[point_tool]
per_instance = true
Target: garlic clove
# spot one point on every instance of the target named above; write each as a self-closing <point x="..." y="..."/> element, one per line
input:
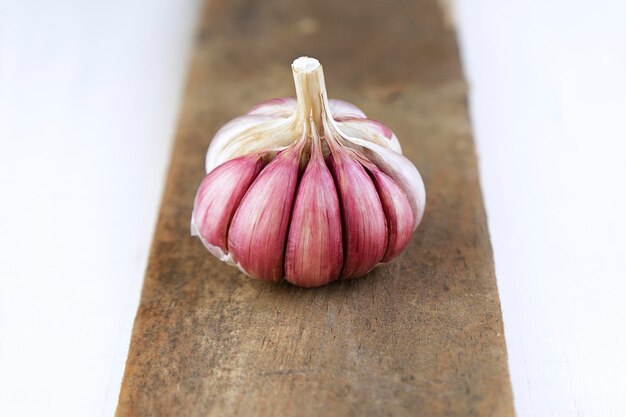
<point x="314" y="254"/>
<point x="399" y="168"/>
<point x="365" y="229"/>
<point x="258" y="231"/>
<point x="217" y="199"/>
<point x="404" y="173"/>
<point x="398" y="213"/>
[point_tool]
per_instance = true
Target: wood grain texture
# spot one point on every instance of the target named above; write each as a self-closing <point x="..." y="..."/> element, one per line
<point x="421" y="336"/>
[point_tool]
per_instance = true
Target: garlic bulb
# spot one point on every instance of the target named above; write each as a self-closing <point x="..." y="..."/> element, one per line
<point x="307" y="189"/>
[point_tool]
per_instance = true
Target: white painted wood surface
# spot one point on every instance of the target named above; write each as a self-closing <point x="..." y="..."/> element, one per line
<point x="88" y="100"/>
<point x="89" y="93"/>
<point x="548" y="103"/>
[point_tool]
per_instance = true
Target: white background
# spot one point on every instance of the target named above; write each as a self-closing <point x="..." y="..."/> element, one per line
<point x="89" y="94"/>
<point x="548" y="103"/>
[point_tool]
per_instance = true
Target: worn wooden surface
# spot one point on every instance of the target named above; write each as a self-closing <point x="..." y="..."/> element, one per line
<point x="421" y="336"/>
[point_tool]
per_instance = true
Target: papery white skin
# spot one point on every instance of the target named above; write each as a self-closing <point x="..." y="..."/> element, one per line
<point x="278" y="116"/>
<point x="370" y="129"/>
<point x="243" y="134"/>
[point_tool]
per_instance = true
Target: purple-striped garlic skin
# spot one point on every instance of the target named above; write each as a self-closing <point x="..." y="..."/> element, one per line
<point x="258" y="231"/>
<point x="308" y="190"/>
<point x="314" y="253"/>
<point x="398" y="213"/>
<point x="217" y="199"/>
<point x="364" y="223"/>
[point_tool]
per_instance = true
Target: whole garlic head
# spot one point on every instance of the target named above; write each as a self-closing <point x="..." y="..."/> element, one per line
<point x="307" y="189"/>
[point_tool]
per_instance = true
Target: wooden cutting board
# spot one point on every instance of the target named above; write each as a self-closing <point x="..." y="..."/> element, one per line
<point x="421" y="336"/>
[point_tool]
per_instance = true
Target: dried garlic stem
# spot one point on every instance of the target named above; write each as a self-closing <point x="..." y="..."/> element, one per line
<point x="311" y="95"/>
